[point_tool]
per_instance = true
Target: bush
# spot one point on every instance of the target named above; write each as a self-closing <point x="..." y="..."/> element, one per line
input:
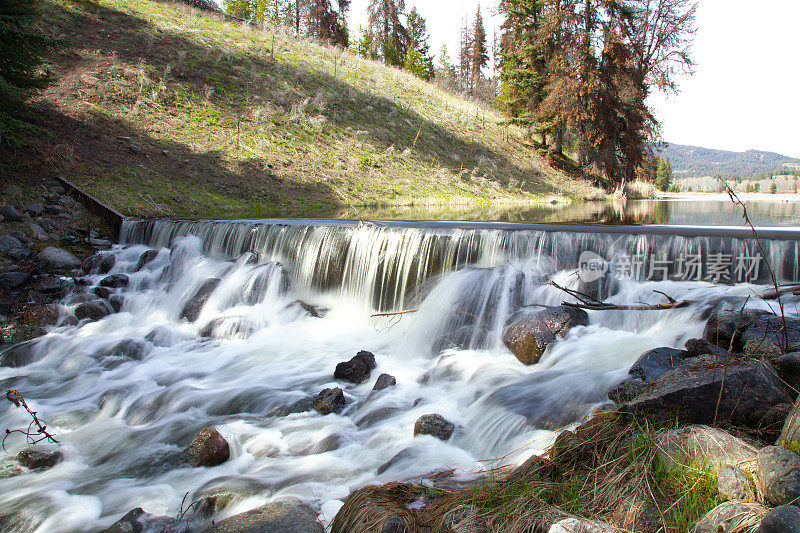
<point x="22" y="51"/>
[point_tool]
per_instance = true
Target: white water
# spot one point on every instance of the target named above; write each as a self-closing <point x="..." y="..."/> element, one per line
<point x="122" y="421"/>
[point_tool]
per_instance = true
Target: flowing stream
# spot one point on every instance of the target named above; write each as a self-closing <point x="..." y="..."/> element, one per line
<point x="124" y="420"/>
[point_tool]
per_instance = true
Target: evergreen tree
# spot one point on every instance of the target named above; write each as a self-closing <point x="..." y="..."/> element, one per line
<point x="361" y="46"/>
<point x="416" y="25"/>
<point x="22" y="52"/>
<point x="773" y="189"/>
<point x="465" y="58"/>
<point x="663" y="174"/>
<point x="388" y="36"/>
<point x="479" y="55"/>
<point x="327" y="23"/>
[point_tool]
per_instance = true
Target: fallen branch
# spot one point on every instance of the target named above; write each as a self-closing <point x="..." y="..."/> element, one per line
<point x="396" y="313"/>
<point x="590" y="303"/>
<point x="773" y="294"/>
<point x="32" y="435"/>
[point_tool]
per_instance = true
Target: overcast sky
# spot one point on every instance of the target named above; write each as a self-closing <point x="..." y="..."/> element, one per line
<point x="746" y="89"/>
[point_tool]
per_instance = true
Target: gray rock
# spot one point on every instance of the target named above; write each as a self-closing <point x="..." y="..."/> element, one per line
<point x="384" y="381"/>
<point x="115" y="281"/>
<point x="34" y="210"/>
<point x="58" y="259"/>
<point x="703" y="445"/>
<point x="657" y="362"/>
<point x="13" y="280"/>
<point x="191" y="311"/>
<point x="435" y="425"/>
<point x="691" y="392"/>
<point x="9" y="244"/>
<point x="580" y="525"/>
<point x="357" y="369"/>
<point x="766" y="336"/>
<point x="145" y="259"/>
<point x="99" y="263"/>
<point x="529" y="336"/>
<point x="791" y="428"/>
<point x="131" y="349"/>
<point x="39" y="459"/>
<point x="329" y="401"/>
<point x="94" y="310"/>
<point x="54" y="209"/>
<point x="727" y="322"/>
<point x="779" y="475"/>
<point x="10" y="214"/>
<point x="376" y="416"/>
<point x="732" y="484"/>
<point x="627" y="390"/>
<point x="138" y="521"/>
<point x="12" y="190"/>
<point x="730" y="517"/>
<point x="208" y="448"/>
<point x="278" y="517"/>
<point x="19" y="355"/>
<point x="464" y="519"/>
<point x="788" y="367"/>
<point x="781" y="519"/>
<point x="116" y="301"/>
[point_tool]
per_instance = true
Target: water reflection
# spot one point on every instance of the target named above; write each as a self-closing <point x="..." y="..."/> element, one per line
<point x="718" y="211"/>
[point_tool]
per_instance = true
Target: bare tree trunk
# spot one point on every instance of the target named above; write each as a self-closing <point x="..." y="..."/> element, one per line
<point x="559" y="139"/>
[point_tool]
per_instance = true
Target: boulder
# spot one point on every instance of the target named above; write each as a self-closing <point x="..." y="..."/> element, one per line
<point x="697" y="347"/>
<point x="703" y="445"/>
<point x="21" y="354"/>
<point x="191" y="311"/>
<point x="10" y="214"/>
<point x="94" y="310"/>
<point x="39" y="459"/>
<point x="779" y="475"/>
<point x="278" y="517"/>
<point x="765" y="337"/>
<point x="529" y="336"/>
<point x="58" y="259"/>
<point x="691" y="392"/>
<point x="138" y="521"/>
<point x="54" y="285"/>
<point x="9" y="244"/>
<point x="580" y="525"/>
<point x="146" y="258"/>
<point x="751" y="331"/>
<point x="115" y="281"/>
<point x="627" y="390"/>
<point x="13" y="280"/>
<point x="733" y="484"/>
<point x="656" y="362"/>
<point x="208" y="448"/>
<point x="34" y="210"/>
<point x="730" y="517"/>
<point x="435" y="425"/>
<point x="99" y="263"/>
<point x="781" y="519"/>
<point x="357" y="369"/>
<point x="102" y="292"/>
<point x="790" y="435"/>
<point x="788" y="367"/>
<point x="384" y="381"/>
<point x="329" y="401"/>
<point x="116" y="301"/>
<point x="727" y="322"/>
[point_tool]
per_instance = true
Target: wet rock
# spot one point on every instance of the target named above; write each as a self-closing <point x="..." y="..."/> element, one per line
<point x="329" y="443"/>
<point x="102" y="292"/>
<point x="779" y="475"/>
<point x="703" y="445"/>
<point x="691" y="391"/>
<point x="116" y="301"/>
<point x="580" y="525"/>
<point x="732" y="484"/>
<point x="730" y="517"/>
<point x="376" y="416"/>
<point x="357" y="369"/>
<point x="307" y="309"/>
<point x="54" y="285"/>
<point x="657" y="362"/>
<point x="34" y="210"/>
<point x="781" y="519"/>
<point x="765" y="337"/>
<point x="329" y="401"/>
<point x="39" y="459"/>
<point x="208" y="448"/>
<point x="400" y="456"/>
<point x="727" y="322"/>
<point x="191" y="311"/>
<point x="58" y="259"/>
<point x="41" y="315"/>
<point x="300" y="406"/>
<point x="228" y="328"/>
<point x="115" y="281"/>
<point x="435" y="425"/>
<point x="528" y="337"/>
<point x="131" y="349"/>
<point x="138" y="521"/>
<point x="384" y="381"/>
<point x="19" y="355"/>
<point x="94" y="310"/>
<point x="10" y="214"/>
<point x="99" y="263"/>
<point x="278" y="517"/>
<point x="13" y="280"/>
<point x="146" y="258"/>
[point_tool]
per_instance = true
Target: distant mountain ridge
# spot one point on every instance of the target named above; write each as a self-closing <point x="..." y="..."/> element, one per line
<point x="694" y="161"/>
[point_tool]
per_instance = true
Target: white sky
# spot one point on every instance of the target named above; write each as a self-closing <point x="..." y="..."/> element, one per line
<point x="746" y="89"/>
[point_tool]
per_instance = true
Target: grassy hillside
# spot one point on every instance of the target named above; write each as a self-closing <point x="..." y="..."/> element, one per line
<point x="694" y="161"/>
<point x="162" y="109"/>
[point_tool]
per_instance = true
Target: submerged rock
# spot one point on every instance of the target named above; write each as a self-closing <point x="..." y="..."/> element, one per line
<point x="99" y="263"/>
<point x="279" y="517"/>
<point x="145" y="259"/>
<point x="115" y="281"/>
<point x="528" y="337"/>
<point x="357" y="369"/>
<point x="779" y="475"/>
<point x="138" y="521"/>
<point x="191" y="311"/>
<point x="435" y="425"/>
<point x="208" y="448"/>
<point x="329" y="401"/>
<point x="37" y="459"/>
<point x="21" y="354"/>
<point x="307" y="309"/>
<point x="384" y="381"/>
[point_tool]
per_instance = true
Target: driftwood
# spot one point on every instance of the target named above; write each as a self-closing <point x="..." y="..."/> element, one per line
<point x="32" y="435"/>
<point x="593" y="304"/>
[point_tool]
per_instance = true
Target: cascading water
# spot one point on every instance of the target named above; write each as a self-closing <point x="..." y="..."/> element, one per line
<point x="126" y="394"/>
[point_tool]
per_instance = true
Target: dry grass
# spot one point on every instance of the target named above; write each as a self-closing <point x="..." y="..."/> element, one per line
<point x="210" y="118"/>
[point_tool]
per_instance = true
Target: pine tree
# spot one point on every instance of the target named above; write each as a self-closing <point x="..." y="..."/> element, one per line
<point x="23" y="49"/>
<point x="326" y="23"/>
<point x="416" y="26"/>
<point x="388" y="36"/>
<point x="663" y="174"/>
<point x="479" y="55"/>
<point x="465" y="58"/>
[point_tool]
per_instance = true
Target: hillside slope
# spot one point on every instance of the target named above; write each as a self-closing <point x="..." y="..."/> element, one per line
<point x="162" y="109"/>
<point x="693" y="161"/>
